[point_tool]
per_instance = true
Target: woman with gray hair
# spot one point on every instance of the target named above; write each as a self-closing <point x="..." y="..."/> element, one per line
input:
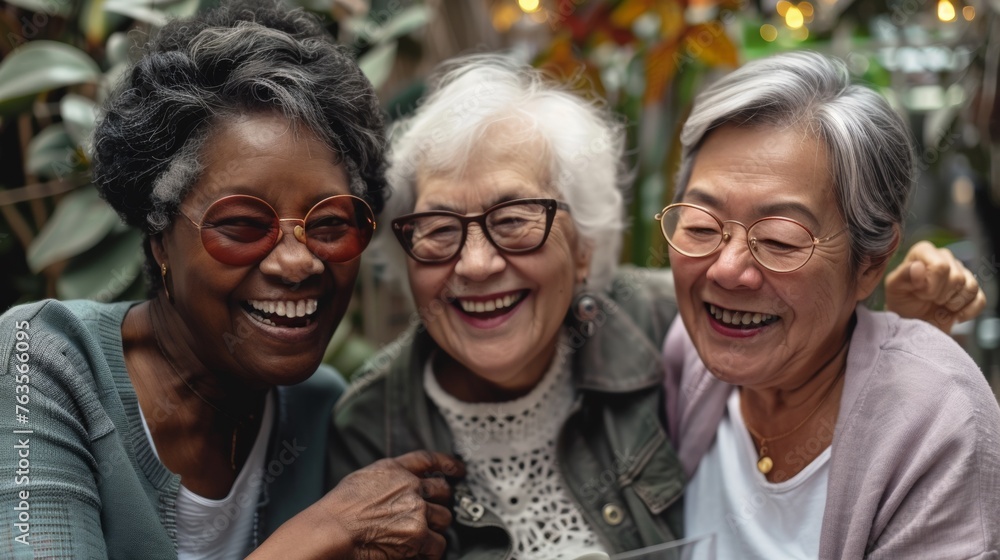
<point x="811" y="426"/>
<point x="247" y="147"/>
<point x="532" y="356"/>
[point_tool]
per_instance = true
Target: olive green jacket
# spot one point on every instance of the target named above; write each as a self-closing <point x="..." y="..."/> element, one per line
<point x="613" y="450"/>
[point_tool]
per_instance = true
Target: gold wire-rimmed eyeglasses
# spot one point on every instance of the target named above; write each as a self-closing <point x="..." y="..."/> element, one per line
<point x="777" y="243"/>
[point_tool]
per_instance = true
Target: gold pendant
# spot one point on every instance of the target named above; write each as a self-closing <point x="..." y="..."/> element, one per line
<point x="765" y="464"/>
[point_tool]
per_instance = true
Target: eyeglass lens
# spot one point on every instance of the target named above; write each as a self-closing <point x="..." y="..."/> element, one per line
<point x="778" y="244"/>
<point x="241" y="230"/>
<point x="515" y="228"/>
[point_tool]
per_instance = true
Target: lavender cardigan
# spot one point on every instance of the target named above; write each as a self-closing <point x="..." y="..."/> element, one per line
<point x="915" y="466"/>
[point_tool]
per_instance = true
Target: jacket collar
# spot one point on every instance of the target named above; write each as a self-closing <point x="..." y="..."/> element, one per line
<point x="619" y="357"/>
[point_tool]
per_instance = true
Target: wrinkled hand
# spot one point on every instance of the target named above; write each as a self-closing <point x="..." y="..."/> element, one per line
<point x="396" y="508"/>
<point x="931" y="284"/>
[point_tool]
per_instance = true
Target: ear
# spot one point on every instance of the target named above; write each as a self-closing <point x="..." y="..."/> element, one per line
<point x="872" y="270"/>
<point x="158" y="248"/>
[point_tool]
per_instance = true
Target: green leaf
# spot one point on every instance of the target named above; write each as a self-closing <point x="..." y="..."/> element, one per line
<point x="46" y="7"/>
<point x="96" y="22"/>
<point x="104" y="272"/>
<point x="377" y="63"/>
<point x="42" y="66"/>
<point x="159" y="16"/>
<point x="403" y="23"/>
<point x="52" y="153"/>
<point x="80" y="221"/>
<point x="79" y="115"/>
<point x="144" y="14"/>
<point x="117" y="48"/>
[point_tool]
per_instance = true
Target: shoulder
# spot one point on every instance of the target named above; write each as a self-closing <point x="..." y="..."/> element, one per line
<point x="327" y="381"/>
<point x="52" y="332"/>
<point x="366" y="392"/>
<point x="53" y="320"/>
<point x="647" y="298"/>
<point x="916" y="360"/>
<point x="906" y="373"/>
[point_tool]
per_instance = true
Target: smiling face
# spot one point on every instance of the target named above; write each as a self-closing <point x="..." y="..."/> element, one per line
<point x="745" y="174"/>
<point x="268" y="322"/>
<point x="496" y="317"/>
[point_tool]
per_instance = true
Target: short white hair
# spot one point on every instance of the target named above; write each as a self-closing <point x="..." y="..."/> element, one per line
<point x="467" y="96"/>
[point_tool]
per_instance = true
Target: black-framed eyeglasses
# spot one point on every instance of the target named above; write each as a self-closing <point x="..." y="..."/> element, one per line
<point x="778" y="244"/>
<point x="513" y="227"/>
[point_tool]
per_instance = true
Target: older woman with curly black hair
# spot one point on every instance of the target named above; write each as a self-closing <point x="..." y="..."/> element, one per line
<point x="247" y="147"/>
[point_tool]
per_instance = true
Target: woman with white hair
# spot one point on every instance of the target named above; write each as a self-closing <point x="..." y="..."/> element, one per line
<point x="812" y="426"/>
<point x="534" y="358"/>
<point x="529" y="361"/>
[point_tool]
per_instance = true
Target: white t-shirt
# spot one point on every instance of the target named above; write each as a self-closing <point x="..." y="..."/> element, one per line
<point x="222" y="529"/>
<point x="749" y="516"/>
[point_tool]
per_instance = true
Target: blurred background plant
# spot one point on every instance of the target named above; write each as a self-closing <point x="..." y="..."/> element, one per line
<point x="936" y="60"/>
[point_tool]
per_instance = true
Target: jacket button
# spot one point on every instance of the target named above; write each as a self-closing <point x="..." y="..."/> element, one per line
<point x="613" y="515"/>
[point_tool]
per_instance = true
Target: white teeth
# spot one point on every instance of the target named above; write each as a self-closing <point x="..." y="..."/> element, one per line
<point x="290" y="309"/>
<point x="490" y="305"/>
<point x="739" y="317"/>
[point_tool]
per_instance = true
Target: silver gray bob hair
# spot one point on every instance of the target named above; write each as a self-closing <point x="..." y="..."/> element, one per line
<point x="868" y="144"/>
<point x="468" y="96"/>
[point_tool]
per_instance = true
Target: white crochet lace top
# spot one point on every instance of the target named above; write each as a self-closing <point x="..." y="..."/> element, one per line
<point x="509" y="450"/>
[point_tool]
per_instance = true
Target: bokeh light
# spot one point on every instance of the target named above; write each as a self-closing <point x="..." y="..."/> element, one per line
<point x="529" y="6"/>
<point x="768" y="32"/>
<point x="946" y="10"/>
<point x="794" y="18"/>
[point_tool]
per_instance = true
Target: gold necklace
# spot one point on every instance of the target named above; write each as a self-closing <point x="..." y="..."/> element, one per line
<point x="765" y="463"/>
<point x="237" y="424"/>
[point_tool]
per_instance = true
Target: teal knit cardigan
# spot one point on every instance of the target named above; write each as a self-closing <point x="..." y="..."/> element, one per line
<point x="78" y="478"/>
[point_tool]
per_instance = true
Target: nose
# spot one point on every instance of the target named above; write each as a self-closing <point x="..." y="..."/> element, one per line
<point x="290" y="259"/>
<point x="734" y="267"/>
<point x="478" y="259"/>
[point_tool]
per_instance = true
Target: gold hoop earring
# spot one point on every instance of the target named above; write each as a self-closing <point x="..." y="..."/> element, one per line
<point x="163" y="277"/>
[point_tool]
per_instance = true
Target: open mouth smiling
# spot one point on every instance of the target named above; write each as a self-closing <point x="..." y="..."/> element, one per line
<point x="282" y="313"/>
<point x="488" y="307"/>
<point x="740" y="319"/>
